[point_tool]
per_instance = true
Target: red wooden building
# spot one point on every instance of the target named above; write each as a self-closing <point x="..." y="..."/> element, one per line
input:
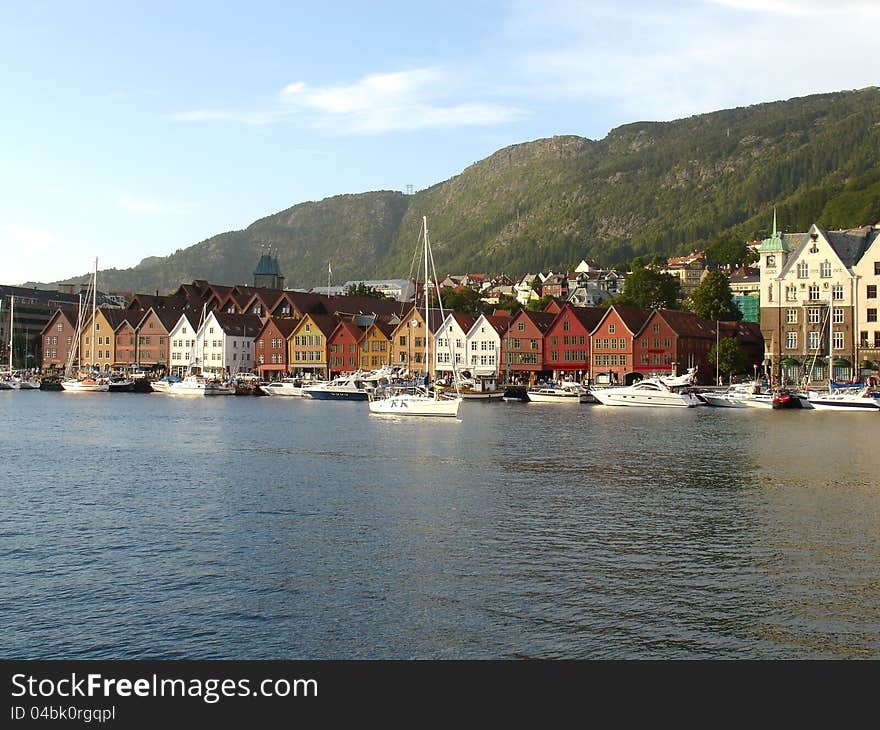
<point x="271" y="347"/>
<point x="672" y="341"/>
<point x="344" y="346"/>
<point x="522" y="348"/>
<point x="567" y="341"/>
<point x="59" y="336"/>
<point x="611" y="344"/>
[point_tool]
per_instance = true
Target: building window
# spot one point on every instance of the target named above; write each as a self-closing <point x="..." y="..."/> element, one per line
<point x="872" y="314"/>
<point x="791" y="293"/>
<point x="813" y="340"/>
<point x="814" y="315"/>
<point x="863" y="339"/>
<point x="521" y="327"/>
<point x="837" y="315"/>
<point x="825" y="270"/>
<point x="837" y="340"/>
<point x="791" y="316"/>
<point x="770" y="293"/>
<point x="566" y="326"/>
<point x="877" y="268"/>
<point x="837" y="292"/>
<point x="611" y="329"/>
<point x="803" y="270"/>
<point x="814" y="292"/>
<point x="871" y="292"/>
<point x="791" y="340"/>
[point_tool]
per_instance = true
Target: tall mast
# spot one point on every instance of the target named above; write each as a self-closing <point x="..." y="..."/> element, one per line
<point x="830" y="337"/>
<point x="94" y="302"/>
<point x="427" y="325"/>
<point x="11" y="315"/>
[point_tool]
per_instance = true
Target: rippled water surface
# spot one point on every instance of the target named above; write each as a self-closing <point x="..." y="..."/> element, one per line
<point x="145" y="526"/>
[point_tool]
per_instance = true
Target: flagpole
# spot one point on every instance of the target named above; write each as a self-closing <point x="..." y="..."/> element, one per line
<point x="329" y="273"/>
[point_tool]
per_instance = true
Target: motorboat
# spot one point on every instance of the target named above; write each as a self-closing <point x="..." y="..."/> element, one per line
<point x="350" y="387"/>
<point x="559" y="393"/>
<point x="198" y="385"/>
<point x="752" y="394"/>
<point x="121" y="385"/>
<point x="86" y="385"/>
<point x="651" y="392"/>
<point x="862" y="399"/>
<point x="285" y="387"/>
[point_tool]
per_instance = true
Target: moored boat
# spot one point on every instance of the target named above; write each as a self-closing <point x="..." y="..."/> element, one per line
<point x="559" y="393"/>
<point x="650" y="392"/>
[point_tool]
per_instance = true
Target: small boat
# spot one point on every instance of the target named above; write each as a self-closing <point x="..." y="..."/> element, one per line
<point x="121" y="385"/>
<point x="290" y="387"/>
<point x="846" y="400"/>
<point x="85" y="385"/>
<point x="784" y="399"/>
<point x="650" y="392"/>
<point x="198" y="385"/>
<point x="17" y="381"/>
<point x="559" y="393"/>
<point x="350" y="387"/>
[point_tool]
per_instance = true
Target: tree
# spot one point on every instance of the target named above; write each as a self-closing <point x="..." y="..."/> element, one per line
<point x="538" y="305"/>
<point x="363" y="290"/>
<point x="730" y="356"/>
<point x="649" y="288"/>
<point x="729" y="251"/>
<point x="464" y="300"/>
<point x="712" y="299"/>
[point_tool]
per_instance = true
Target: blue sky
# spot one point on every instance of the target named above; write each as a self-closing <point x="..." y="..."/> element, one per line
<point x="131" y="129"/>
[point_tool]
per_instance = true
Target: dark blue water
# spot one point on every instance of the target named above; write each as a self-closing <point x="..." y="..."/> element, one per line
<point x="145" y="526"/>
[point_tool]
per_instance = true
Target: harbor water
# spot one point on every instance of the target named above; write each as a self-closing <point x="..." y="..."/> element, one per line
<point x="145" y="526"/>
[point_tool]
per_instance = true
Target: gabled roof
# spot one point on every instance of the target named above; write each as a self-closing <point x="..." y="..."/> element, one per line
<point x="589" y="317"/>
<point x="148" y="301"/>
<point x="355" y="330"/>
<point x="71" y="315"/>
<point x="684" y="324"/>
<point x="267" y="266"/>
<point x="239" y="325"/>
<point x="498" y="323"/>
<point x="541" y="320"/>
<point x="633" y="318"/>
<point x="324" y="322"/>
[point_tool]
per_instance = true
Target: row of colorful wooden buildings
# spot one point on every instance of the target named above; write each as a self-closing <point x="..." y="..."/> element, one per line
<point x="227" y="330"/>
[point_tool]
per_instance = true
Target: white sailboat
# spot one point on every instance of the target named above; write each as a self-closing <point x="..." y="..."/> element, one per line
<point x="420" y="402"/>
<point x="195" y="383"/>
<point x="88" y="383"/>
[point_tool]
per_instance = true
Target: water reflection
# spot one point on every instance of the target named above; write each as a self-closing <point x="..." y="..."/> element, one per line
<point x="255" y="528"/>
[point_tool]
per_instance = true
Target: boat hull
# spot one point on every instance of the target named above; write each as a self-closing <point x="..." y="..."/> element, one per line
<point x="326" y="394"/>
<point x="78" y="387"/>
<point x="658" y="400"/>
<point x="409" y="405"/>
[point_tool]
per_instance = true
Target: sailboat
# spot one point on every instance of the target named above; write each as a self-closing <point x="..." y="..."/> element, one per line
<point x="841" y="400"/>
<point x="420" y="402"/>
<point x="12" y="381"/>
<point x="88" y="383"/>
<point x="195" y="383"/>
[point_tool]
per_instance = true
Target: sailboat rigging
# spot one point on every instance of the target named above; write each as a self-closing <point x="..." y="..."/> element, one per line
<point x="75" y="382"/>
<point x="421" y="402"/>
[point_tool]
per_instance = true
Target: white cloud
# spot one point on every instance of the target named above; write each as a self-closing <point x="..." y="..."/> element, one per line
<point x="377" y="103"/>
<point x="661" y="63"/>
<point x="801" y="8"/>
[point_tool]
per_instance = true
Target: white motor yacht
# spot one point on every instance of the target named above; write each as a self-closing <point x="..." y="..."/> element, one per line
<point x="651" y="392"/>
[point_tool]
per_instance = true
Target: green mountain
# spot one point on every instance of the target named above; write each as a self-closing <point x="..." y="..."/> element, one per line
<point x="647" y="187"/>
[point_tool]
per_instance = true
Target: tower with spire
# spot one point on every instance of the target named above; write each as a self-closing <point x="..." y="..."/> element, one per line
<point x="268" y="275"/>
